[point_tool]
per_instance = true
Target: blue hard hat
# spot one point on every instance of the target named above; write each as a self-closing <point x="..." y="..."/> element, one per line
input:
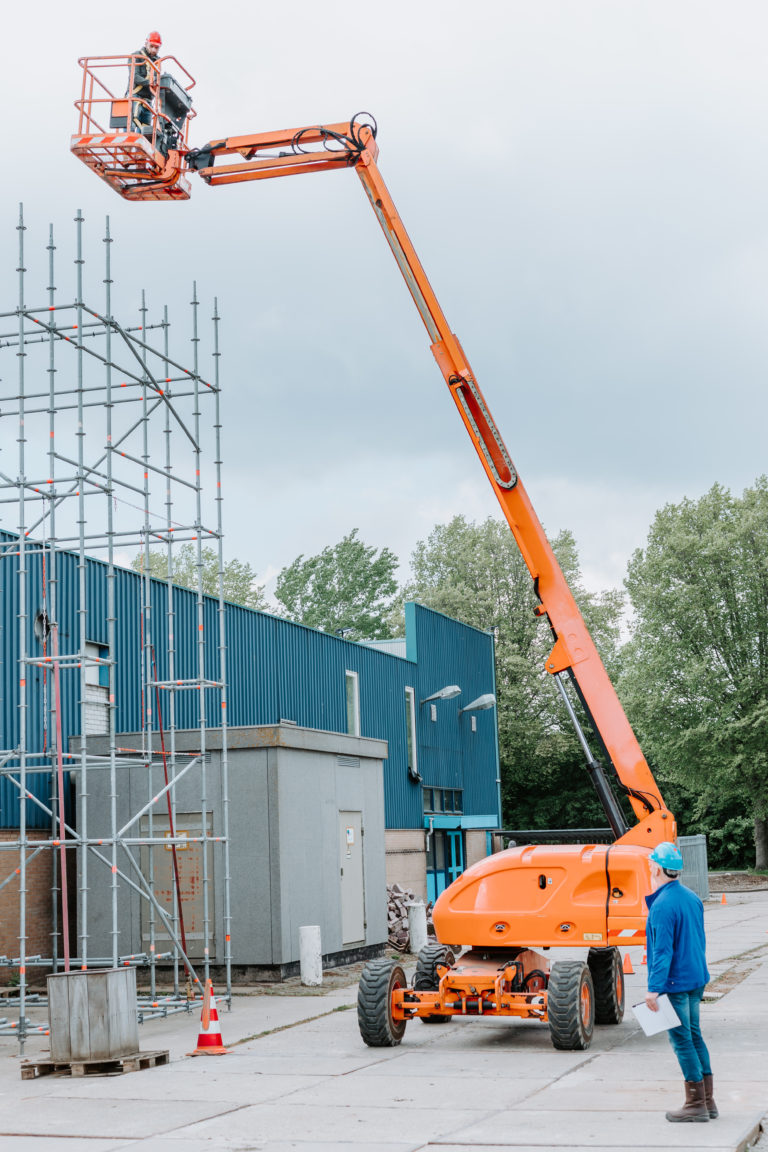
<point x="668" y="856"/>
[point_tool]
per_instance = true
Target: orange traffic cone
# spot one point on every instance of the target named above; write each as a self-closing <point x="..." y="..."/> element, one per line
<point x="723" y="899"/>
<point x="645" y="956"/>
<point x="628" y="964"/>
<point x="209" y="1039"/>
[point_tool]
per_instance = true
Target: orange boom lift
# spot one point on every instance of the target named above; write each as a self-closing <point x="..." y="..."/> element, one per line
<point x="509" y="905"/>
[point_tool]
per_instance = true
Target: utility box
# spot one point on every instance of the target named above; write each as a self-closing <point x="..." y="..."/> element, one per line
<point x="695" y="873"/>
<point x="306" y="846"/>
<point x="93" y="1015"/>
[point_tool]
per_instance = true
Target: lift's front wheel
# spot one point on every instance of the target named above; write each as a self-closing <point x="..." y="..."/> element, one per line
<point x="426" y="977"/>
<point x="571" y="1005"/>
<point x="380" y="978"/>
<point x="608" y="979"/>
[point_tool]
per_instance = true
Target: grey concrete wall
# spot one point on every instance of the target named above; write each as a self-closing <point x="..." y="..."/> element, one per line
<point x="407" y="859"/>
<point x="476" y="845"/>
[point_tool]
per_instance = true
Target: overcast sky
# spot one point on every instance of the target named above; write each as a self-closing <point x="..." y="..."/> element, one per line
<point x="586" y="184"/>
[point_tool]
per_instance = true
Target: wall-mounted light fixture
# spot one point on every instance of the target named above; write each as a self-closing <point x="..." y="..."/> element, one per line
<point x="450" y="692"/>
<point x="488" y="700"/>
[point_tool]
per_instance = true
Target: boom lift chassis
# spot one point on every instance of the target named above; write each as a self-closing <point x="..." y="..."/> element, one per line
<point x="589" y="896"/>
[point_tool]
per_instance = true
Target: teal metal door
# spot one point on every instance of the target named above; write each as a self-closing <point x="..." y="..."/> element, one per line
<point x="455" y="855"/>
<point x="445" y="860"/>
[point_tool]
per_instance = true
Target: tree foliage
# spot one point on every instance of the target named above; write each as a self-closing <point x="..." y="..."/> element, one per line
<point x="475" y="573"/>
<point x="696" y="672"/>
<point x="349" y="588"/>
<point x="239" y="582"/>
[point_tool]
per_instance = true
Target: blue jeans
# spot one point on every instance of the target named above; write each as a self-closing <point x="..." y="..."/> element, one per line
<point x="141" y="115"/>
<point x="687" y="1041"/>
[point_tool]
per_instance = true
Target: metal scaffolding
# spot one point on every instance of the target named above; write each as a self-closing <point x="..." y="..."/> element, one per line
<point x="118" y="447"/>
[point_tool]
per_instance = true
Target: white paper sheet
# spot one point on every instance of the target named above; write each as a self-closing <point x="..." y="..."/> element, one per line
<point x="653" y="1022"/>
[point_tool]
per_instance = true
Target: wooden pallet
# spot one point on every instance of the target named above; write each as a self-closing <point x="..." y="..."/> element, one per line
<point x="115" y="1067"/>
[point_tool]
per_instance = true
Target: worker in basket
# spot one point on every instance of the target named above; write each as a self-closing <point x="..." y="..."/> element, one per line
<point x="145" y="83"/>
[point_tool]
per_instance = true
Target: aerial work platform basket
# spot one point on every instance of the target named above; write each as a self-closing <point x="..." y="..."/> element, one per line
<point x="135" y="141"/>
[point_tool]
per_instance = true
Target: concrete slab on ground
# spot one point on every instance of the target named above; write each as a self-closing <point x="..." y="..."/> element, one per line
<point x="54" y="1144"/>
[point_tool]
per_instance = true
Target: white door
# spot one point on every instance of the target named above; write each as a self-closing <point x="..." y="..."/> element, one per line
<point x="351" y="877"/>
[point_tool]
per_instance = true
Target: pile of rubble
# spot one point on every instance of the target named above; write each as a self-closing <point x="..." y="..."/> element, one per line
<point x="398" y="899"/>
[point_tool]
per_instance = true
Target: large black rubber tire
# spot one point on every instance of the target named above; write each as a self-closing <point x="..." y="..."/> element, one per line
<point x="378" y="981"/>
<point x="571" y="1005"/>
<point x="608" y="979"/>
<point x="426" y="978"/>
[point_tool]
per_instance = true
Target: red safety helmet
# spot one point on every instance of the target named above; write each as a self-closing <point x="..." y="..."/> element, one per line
<point x="154" y="38"/>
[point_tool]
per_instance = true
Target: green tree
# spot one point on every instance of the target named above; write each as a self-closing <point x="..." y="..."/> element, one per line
<point x="240" y="584"/>
<point x="475" y="573"/>
<point x="349" y="587"/>
<point x="696" y="673"/>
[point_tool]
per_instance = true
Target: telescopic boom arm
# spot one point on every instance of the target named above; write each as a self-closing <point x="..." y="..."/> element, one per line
<point x="353" y="145"/>
<point x="139" y="171"/>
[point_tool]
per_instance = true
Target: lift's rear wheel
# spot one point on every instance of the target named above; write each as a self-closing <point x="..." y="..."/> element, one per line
<point x="379" y="980"/>
<point x="426" y="978"/>
<point x="608" y="979"/>
<point x="571" y="1005"/>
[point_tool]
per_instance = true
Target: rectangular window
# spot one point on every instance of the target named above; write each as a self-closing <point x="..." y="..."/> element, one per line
<point x="443" y="800"/>
<point x="96" y="690"/>
<point x="96" y="673"/>
<point x="410" y="728"/>
<point x="353" y="703"/>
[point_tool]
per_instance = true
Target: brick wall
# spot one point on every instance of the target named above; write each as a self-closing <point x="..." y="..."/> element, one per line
<point x="39" y="906"/>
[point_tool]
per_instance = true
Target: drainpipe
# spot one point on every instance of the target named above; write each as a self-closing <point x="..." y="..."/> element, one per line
<point x="492" y="633"/>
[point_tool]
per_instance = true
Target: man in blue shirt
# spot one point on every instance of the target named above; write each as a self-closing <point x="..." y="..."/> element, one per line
<point x="677" y="966"/>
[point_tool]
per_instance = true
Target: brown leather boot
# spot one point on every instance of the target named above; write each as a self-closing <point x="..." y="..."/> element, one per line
<point x="708" y="1093"/>
<point x="695" y="1108"/>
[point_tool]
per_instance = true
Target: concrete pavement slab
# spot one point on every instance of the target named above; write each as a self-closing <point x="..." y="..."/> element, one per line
<point x="169" y="1144"/>
<point x="649" y="1096"/>
<point x="340" y="1038"/>
<point x="626" y="1066"/>
<point x="634" y="1129"/>
<point x="405" y="1092"/>
<point x="250" y="1016"/>
<point x="578" y="1148"/>
<point x="76" y="1116"/>
<point x="182" y="1085"/>
<point x="360" y="1125"/>
<point x="54" y="1144"/>
<point x="300" y="1063"/>
<point x="507" y="1039"/>
<point x="535" y="1066"/>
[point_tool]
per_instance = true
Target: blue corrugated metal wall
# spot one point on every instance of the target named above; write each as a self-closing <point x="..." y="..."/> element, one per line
<point x="451" y="754"/>
<point x="276" y="670"/>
